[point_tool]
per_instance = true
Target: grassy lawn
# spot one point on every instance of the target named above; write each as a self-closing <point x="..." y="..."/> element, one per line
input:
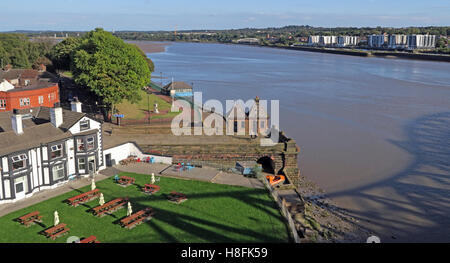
<point x="212" y="213"/>
<point x="137" y="111"/>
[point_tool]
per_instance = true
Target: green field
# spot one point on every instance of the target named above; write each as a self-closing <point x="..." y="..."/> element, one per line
<point x="137" y="111"/>
<point x="212" y="213"/>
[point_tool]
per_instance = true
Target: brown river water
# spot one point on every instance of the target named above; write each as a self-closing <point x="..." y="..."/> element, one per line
<point x="374" y="133"/>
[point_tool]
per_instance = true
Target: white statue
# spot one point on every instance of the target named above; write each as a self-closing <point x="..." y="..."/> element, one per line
<point x="130" y="210"/>
<point x="156" y="108"/>
<point x="102" y="199"/>
<point x="153" y="179"/>
<point x="56" y="217"/>
<point x="93" y="186"/>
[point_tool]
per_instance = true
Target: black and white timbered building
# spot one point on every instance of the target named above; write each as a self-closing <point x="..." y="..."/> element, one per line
<point x="43" y="147"/>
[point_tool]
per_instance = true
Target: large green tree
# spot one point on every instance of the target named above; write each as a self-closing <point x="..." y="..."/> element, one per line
<point x="60" y="54"/>
<point x="109" y="67"/>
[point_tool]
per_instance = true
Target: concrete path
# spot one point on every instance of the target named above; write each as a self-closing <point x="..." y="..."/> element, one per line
<point x="50" y="193"/>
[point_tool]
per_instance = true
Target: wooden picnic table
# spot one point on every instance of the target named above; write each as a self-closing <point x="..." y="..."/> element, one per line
<point x="30" y="218"/>
<point x="110" y="207"/>
<point x="177" y="197"/>
<point x="84" y="197"/>
<point x="91" y="239"/>
<point x="137" y="218"/>
<point x="125" y="180"/>
<point x="151" y="188"/>
<point x="56" y="231"/>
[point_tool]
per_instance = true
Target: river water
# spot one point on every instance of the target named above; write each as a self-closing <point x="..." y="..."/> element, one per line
<point x="374" y="133"/>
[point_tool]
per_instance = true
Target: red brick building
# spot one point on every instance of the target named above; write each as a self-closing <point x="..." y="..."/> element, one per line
<point x="40" y="94"/>
<point x="24" y="88"/>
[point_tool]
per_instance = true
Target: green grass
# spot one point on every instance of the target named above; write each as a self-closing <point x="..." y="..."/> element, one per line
<point x="212" y="213"/>
<point x="137" y="111"/>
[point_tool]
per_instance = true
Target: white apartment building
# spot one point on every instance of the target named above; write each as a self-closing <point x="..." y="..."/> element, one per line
<point x="343" y="41"/>
<point x="421" y="41"/>
<point x="313" y="40"/>
<point x="377" y="41"/>
<point x="398" y="41"/>
<point x="327" y="40"/>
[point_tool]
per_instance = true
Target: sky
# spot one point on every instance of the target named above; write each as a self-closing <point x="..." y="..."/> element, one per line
<point x="72" y="15"/>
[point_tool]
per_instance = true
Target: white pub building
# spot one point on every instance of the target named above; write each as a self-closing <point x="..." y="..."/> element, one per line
<point x="43" y="147"/>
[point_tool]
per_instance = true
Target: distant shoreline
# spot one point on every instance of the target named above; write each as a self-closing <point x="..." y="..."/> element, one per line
<point x="149" y="46"/>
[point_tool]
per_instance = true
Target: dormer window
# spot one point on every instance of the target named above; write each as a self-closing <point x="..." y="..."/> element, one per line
<point x="19" y="161"/>
<point x="84" y="125"/>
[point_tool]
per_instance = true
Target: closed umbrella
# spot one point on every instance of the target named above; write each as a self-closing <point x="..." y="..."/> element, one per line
<point x="56" y="217"/>
<point x="93" y="186"/>
<point x="153" y="178"/>
<point x="130" y="210"/>
<point x="102" y="199"/>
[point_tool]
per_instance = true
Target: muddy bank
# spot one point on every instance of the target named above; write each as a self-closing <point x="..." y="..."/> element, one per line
<point x="149" y="46"/>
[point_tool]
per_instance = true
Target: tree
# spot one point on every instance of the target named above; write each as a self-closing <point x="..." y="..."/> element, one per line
<point x="60" y="54"/>
<point x="151" y="66"/>
<point x="109" y="67"/>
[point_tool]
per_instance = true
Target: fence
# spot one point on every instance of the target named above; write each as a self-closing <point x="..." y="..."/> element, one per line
<point x="284" y="210"/>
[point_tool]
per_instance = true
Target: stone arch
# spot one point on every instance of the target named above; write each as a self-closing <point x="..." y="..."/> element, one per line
<point x="267" y="163"/>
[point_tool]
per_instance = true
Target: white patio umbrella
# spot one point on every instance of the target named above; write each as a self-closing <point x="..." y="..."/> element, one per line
<point x="130" y="210"/>
<point x="93" y="186"/>
<point x="153" y="178"/>
<point x="56" y="218"/>
<point x="102" y="199"/>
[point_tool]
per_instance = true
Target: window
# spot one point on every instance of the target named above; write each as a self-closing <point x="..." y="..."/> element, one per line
<point x="27" y="82"/>
<point x="2" y="104"/>
<point x="262" y="125"/>
<point x="51" y="96"/>
<point x="41" y="99"/>
<point x="90" y="143"/>
<point x="19" y="161"/>
<point x="24" y="102"/>
<point x="80" y="145"/>
<point x="84" y="125"/>
<point x="81" y="164"/>
<point x="58" y="171"/>
<point x="56" y="151"/>
<point x="242" y="124"/>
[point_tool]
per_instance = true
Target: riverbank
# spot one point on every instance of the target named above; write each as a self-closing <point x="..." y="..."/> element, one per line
<point x="156" y="47"/>
<point x="149" y="46"/>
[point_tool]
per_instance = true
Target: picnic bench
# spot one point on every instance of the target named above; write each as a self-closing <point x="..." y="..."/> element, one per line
<point x="30" y="218"/>
<point x="91" y="239"/>
<point x="110" y="207"/>
<point x="137" y="218"/>
<point x="176" y="197"/>
<point x="56" y="231"/>
<point x="151" y="188"/>
<point x="126" y="181"/>
<point x="84" y="197"/>
<point x="128" y="160"/>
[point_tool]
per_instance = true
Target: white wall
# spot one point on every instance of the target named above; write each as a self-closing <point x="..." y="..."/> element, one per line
<point x="122" y="151"/>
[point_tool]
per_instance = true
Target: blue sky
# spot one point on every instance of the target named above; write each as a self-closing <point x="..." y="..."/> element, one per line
<point x="213" y="14"/>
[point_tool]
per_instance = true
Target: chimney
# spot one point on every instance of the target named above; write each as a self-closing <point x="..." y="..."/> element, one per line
<point x="76" y="105"/>
<point x="16" y="121"/>
<point x="56" y="115"/>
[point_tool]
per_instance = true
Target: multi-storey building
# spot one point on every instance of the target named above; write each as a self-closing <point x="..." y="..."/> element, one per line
<point x="44" y="147"/>
<point x="421" y="41"/>
<point x="327" y="40"/>
<point x="377" y="41"/>
<point x="25" y="88"/>
<point x="343" y="41"/>
<point x="398" y="41"/>
<point x="313" y="40"/>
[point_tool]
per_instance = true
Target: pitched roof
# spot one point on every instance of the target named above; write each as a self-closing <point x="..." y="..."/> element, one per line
<point x="32" y="137"/>
<point x="37" y="129"/>
<point x="177" y="85"/>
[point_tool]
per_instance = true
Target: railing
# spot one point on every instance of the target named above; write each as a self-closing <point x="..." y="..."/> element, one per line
<point x="284" y="210"/>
